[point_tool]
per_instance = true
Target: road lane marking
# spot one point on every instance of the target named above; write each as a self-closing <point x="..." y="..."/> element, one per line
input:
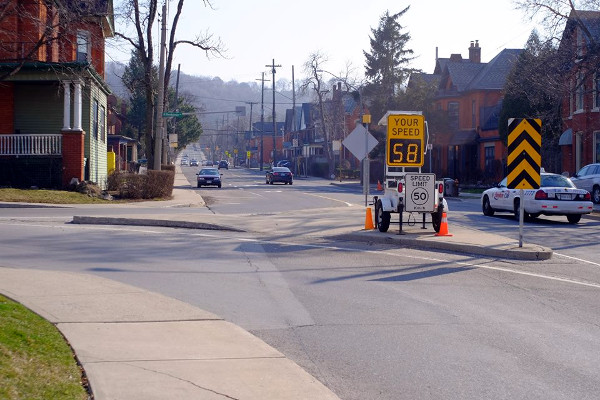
<point x="578" y="259"/>
<point x="329" y="198"/>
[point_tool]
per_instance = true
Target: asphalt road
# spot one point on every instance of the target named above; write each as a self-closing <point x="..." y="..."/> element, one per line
<point x="368" y="320"/>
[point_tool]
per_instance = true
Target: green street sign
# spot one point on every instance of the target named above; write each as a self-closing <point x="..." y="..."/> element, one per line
<point x="172" y="114"/>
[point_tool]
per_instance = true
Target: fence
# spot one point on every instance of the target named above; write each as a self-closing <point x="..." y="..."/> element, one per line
<point x="31" y="145"/>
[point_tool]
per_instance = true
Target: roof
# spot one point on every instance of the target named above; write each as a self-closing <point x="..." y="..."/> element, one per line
<point x="464" y="75"/>
<point x="494" y="73"/>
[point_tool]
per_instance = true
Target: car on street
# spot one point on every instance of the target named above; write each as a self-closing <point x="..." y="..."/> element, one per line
<point x="209" y="177"/>
<point x="557" y="195"/>
<point x="184" y="161"/>
<point x="193" y="162"/>
<point x="279" y="174"/>
<point x="588" y="178"/>
<point x="224" y="164"/>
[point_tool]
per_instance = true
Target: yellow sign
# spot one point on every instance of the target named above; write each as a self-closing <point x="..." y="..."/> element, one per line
<point x="524" y="158"/>
<point x="248" y="154"/>
<point x="405" y="140"/>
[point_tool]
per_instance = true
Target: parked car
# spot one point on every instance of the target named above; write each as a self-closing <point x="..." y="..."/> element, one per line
<point x="588" y="178"/>
<point x="284" y="163"/>
<point x="209" y="177"/>
<point x="193" y="162"/>
<point x="279" y="174"/>
<point x="224" y="164"/>
<point x="557" y="195"/>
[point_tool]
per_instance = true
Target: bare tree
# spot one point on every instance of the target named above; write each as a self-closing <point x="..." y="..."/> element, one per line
<point x="143" y="16"/>
<point x="313" y="68"/>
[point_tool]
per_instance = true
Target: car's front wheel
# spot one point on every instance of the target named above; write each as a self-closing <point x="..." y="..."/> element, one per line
<point x="573" y="218"/>
<point x="486" y="207"/>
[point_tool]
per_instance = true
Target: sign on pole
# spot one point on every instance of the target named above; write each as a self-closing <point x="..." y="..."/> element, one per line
<point x="172" y="114"/>
<point x="524" y="159"/>
<point x="420" y="192"/>
<point x="360" y="142"/>
<point x="405" y="140"/>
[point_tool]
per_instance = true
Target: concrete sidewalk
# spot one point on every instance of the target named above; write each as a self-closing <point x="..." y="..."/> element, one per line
<point x="134" y="344"/>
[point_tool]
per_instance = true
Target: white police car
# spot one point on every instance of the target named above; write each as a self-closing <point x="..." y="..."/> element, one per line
<point x="557" y="195"/>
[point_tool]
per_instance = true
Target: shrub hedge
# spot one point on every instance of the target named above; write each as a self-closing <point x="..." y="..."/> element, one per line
<point x="152" y="185"/>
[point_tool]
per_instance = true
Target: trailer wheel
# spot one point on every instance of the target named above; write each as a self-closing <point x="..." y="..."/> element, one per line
<point x="382" y="218"/>
<point x="436" y="218"/>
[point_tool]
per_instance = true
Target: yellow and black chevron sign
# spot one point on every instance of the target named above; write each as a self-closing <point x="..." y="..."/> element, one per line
<point x="524" y="158"/>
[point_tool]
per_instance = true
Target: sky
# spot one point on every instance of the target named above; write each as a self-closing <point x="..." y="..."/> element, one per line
<point x="256" y="32"/>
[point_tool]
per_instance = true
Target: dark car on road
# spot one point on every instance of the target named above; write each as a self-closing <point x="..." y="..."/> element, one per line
<point x="279" y="174"/>
<point x="223" y="164"/>
<point x="209" y="177"/>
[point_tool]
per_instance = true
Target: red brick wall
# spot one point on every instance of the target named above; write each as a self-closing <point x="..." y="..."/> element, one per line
<point x="7" y="108"/>
<point x="72" y="152"/>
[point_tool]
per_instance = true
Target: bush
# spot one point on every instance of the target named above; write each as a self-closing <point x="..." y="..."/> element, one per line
<point x="154" y="184"/>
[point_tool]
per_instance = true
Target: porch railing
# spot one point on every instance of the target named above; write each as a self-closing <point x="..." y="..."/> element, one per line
<point x="31" y="145"/>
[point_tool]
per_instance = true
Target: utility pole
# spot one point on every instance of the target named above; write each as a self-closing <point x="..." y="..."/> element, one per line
<point x="158" y="137"/>
<point x="251" y="133"/>
<point x="273" y="66"/>
<point x="294" y="128"/>
<point x="262" y="118"/>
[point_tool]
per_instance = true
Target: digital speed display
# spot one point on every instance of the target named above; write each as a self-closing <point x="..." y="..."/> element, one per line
<point x="405" y="140"/>
<point x="405" y="152"/>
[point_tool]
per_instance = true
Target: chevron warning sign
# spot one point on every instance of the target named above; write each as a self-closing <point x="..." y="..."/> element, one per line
<point x="524" y="159"/>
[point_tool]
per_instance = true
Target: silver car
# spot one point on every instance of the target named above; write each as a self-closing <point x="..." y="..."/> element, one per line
<point x="588" y="178"/>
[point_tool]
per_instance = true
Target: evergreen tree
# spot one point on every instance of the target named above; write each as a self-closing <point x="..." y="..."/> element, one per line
<point x="385" y="67"/>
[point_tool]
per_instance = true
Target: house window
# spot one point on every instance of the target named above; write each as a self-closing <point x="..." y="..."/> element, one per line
<point x="95" y="119"/>
<point x="597" y="90"/>
<point x="579" y="90"/>
<point x="103" y="123"/>
<point x="597" y="146"/>
<point x="489" y="159"/>
<point x="453" y="110"/>
<point x="83" y="46"/>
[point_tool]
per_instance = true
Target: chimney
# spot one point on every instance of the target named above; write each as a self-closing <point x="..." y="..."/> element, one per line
<point x="475" y="52"/>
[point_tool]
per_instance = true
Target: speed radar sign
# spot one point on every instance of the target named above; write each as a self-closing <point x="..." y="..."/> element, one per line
<point x="405" y="140"/>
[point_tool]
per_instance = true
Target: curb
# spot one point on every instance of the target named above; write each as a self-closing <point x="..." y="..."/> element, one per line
<point x="151" y="222"/>
<point x="512" y="251"/>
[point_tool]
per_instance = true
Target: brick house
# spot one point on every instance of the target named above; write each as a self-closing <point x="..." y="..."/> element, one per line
<point x="304" y="138"/>
<point x="470" y="92"/>
<point x="53" y="98"/>
<point x="580" y="108"/>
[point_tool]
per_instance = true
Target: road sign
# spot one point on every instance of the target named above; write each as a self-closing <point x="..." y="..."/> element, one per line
<point x="356" y="142"/>
<point x="524" y="159"/>
<point x="172" y="114"/>
<point x="405" y="140"/>
<point x="420" y="192"/>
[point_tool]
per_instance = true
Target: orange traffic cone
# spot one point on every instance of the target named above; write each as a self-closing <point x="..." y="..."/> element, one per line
<point x="444" y="226"/>
<point x="369" y="220"/>
<point x="379" y="186"/>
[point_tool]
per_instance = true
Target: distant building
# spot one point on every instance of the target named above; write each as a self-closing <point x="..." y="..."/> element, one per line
<point x="580" y="109"/>
<point x="470" y="93"/>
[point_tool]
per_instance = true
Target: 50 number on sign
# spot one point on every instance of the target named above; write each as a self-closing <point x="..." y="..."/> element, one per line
<point x="405" y="152"/>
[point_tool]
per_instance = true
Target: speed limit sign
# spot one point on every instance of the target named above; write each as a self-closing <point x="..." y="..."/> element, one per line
<point x="420" y="192"/>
